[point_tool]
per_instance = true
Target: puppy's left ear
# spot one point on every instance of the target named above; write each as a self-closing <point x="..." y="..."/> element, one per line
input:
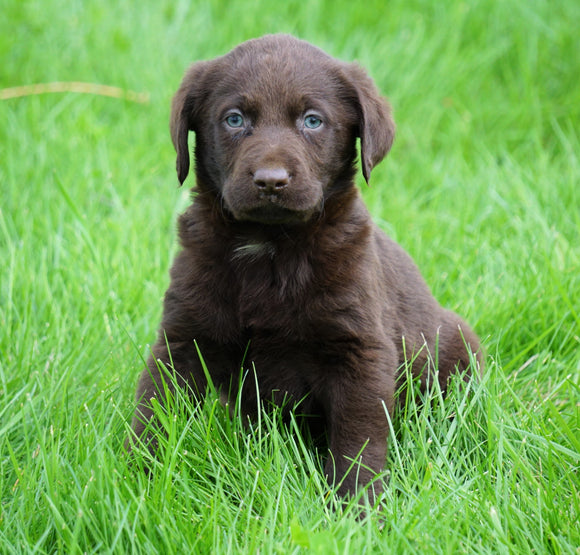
<point x="184" y="108"/>
<point x="376" y="125"/>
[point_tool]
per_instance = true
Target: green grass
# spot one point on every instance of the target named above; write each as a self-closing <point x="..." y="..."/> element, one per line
<point x="482" y="188"/>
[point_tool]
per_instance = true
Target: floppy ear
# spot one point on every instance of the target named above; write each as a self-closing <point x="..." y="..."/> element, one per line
<point x="376" y="125"/>
<point x="184" y="108"/>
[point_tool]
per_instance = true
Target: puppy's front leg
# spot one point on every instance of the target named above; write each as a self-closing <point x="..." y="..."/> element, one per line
<point x="175" y="364"/>
<point x="358" y="431"/>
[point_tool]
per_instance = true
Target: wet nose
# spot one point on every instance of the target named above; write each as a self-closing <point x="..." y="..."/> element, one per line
<point x="271" y="180"/>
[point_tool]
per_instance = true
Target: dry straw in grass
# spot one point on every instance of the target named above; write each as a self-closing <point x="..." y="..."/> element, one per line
<point x="75" y="87"/>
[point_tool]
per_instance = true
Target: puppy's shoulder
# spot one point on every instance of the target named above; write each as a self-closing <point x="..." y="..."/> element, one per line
<point x="398" y="267"/>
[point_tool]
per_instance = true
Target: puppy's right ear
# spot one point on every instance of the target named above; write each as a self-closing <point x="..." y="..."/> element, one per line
<point x="184" y="109"/>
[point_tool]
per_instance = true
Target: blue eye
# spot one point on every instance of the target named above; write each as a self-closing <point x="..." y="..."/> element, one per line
<point x="312" y="122"/>
<point x="235" y="120"/>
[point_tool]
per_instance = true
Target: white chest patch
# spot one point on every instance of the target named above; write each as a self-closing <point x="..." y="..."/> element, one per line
<point x="254" y="250"/>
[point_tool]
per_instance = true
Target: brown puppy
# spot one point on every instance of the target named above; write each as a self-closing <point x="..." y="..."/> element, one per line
<point x="281" y="267"/>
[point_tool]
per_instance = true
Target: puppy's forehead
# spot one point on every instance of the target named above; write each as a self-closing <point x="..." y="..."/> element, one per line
<point x="279" y="68"/>
<point x="282" y="51"/>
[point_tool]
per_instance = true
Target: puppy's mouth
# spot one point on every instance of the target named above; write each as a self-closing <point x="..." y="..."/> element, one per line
<point x="251" y="201"/>
<point x="271" y="214"/>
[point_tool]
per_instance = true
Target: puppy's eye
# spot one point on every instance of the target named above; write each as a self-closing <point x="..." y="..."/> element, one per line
<point x="235" y="120"/>
<point x="312" y="121"/>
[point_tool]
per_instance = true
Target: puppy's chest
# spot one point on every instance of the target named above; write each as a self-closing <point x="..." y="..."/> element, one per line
<point x="273" y="292"/>
<point x="276" y="294"/>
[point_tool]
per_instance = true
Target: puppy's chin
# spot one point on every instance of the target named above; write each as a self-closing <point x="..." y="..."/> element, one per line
<point x="272" y="214"/>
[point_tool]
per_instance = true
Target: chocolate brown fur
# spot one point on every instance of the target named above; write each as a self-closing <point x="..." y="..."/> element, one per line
<point x="279" y="252"/>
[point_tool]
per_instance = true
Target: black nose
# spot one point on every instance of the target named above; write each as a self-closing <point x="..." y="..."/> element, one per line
<point x="271" y="180"/>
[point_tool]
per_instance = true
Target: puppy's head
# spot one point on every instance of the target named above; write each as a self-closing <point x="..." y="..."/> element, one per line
<point x="276" y="122"/>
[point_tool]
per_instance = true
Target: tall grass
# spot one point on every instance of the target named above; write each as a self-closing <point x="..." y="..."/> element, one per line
<point x="482" y="187"/>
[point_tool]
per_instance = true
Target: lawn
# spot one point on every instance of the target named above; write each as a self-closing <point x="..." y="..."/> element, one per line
<point x="482" y="188"/>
